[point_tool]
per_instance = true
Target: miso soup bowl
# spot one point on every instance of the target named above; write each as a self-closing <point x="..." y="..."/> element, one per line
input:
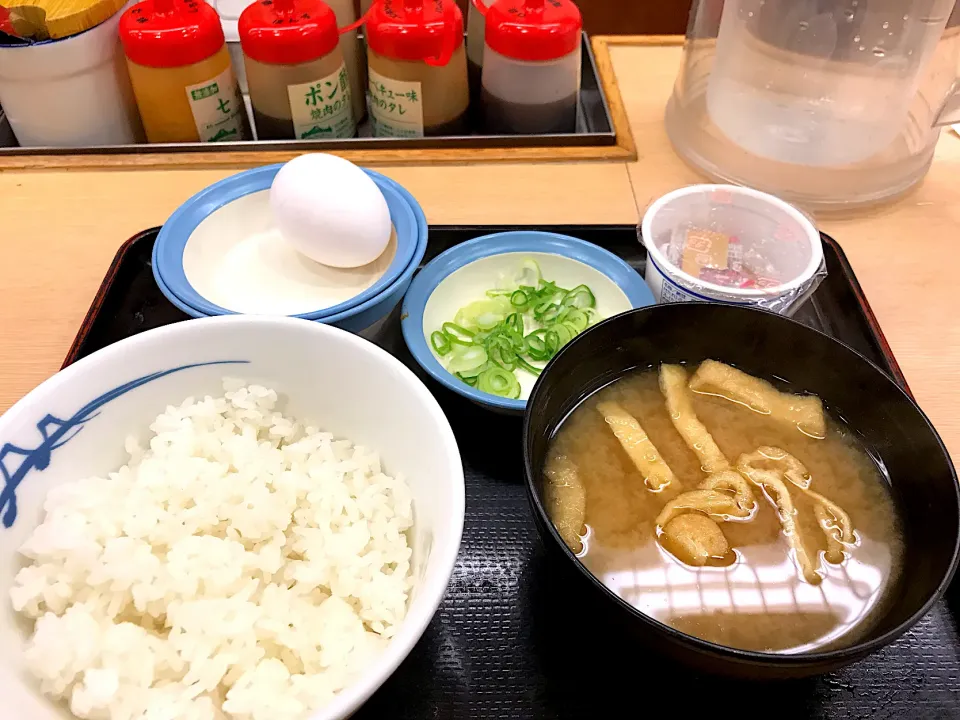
<point x="888" y="422"/>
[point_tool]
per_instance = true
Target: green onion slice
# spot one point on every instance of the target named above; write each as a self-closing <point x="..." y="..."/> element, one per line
<point x="498" y="381"/>
<point x="580" y="297"/>
<point x="466" y="358"/>
<point x="441" y="343"/>
<point x="457" y="334"/>
<point x="488" y="339"/>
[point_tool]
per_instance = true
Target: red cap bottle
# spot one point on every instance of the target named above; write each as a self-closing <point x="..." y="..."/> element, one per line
<point x="170" y="33"/>
<point x="288" y="32"/>
<point x="415" y="30"/>
<point x="531" y="67"/>
<point x="533" y="30"/>
<point x="299" y="86"/>
<point x="181" y="74"/>
<point x="418" y="68"/>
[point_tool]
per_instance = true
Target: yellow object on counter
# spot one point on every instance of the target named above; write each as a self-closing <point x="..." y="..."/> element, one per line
<point x="63" y="18"/>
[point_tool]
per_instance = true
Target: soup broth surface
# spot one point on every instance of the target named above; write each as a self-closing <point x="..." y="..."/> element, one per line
<point x="760" y="602"/>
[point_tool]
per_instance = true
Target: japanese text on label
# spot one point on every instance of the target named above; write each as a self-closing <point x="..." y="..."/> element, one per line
<point x="322" y="109"/>
<point x="396" y="107"/>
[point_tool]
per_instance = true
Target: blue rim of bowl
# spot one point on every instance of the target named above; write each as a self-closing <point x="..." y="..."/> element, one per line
<point x="176" y="231"/>
<point x="448" y="262"/>
<point x="419" y="251"/>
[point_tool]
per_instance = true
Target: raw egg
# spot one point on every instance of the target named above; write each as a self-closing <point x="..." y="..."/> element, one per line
<point x="330" y="210"/>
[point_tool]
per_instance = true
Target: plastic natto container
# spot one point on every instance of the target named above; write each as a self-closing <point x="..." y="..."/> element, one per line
<point x="531" y="67"/>
<point x="731" y="244"/>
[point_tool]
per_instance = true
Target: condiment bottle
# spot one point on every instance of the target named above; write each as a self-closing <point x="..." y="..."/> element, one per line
<point x="295" y="71"/>
<point x="417" y="68"/>
<point x="181" y="74"/>
<point x="531" y="67"/>
<point x="476" y="30"/>
<point x="346" y="12"/>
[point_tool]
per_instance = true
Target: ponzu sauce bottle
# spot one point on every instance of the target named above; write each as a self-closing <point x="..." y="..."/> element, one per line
<point x="296" y="75"/>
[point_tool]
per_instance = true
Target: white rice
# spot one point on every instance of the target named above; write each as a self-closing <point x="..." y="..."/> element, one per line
<point x="241" y="566"/>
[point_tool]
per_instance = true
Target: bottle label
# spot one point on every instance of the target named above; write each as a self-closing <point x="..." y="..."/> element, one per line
<point x="396" y="107"/>
<point x="218" y="108"/>
<point x="322" y="109"/>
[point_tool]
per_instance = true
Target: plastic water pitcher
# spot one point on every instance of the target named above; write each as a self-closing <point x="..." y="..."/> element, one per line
<point x="829" y="103"/>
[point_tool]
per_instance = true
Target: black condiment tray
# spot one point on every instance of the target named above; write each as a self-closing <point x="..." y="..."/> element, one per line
<point x="595" y="127"/>
<point x="511" y="639"/>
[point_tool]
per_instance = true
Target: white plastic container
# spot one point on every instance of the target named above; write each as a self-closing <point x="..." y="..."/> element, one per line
<point x="73" y="92"/>
<point x="773" y="253"/>
<point x="531" y="67"/>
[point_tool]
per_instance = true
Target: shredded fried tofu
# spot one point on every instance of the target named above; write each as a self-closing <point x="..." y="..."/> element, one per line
<point x="803" y="411"/>
<point x="657" y="475"/>
<point x="696" y="540"/>
<point x="768" y="468"/>
<point x="673" y="385"/>
<point x="717" y="504"/>
<point x="566" y="501"/>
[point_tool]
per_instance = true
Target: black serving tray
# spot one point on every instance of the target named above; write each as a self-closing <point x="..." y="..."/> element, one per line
<point x="513" y="638"/>
<point x="594" y="128"/>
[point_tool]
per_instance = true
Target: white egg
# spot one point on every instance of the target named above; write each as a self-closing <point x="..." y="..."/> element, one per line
<point x="330" y="210"/>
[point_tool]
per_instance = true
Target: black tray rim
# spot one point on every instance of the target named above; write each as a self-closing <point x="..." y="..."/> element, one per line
<point x="890" y="364"/>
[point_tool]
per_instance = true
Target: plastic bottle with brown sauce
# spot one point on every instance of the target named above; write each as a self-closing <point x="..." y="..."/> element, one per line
<point x="297" y="79"/>
<point x="417" y="68"/>
<point x="531" y="67"/>
<point x="184" y="85"/>
<point x="476" y="29"/>
<point x="353" y="57"/>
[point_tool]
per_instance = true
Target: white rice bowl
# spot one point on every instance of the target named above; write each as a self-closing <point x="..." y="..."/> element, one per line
<point x="239" y="561"/>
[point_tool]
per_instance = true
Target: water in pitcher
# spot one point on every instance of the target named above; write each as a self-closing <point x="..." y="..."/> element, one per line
<point x="803" y="81"/>
<point x="822" y="101"/>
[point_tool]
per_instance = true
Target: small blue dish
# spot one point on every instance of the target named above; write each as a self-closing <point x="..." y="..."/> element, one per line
<point x="366" y="314"/>
<point x="463" y="273"/>
<point x="168" y="251"/>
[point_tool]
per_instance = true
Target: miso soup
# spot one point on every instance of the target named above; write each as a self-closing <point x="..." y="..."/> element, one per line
<point x="726" y="508"/>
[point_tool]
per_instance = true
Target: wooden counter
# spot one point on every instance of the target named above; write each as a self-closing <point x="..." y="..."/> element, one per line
<point x="60" y="229"/>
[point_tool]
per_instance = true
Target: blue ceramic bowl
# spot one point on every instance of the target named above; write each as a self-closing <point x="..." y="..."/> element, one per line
<point x="405" y="213"/>
<point x="366" y="314"/>
<point x="463" y="273"/>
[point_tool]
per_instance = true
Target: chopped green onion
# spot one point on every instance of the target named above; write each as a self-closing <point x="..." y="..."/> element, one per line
<point x="487" y="340"/>
<point x="564" y="334"/>
<point x="519" y="299"/>
<point x="473" y="372"/>
<point x="549" y="314"/>
<point x="529" y="273"/>
<point x="441" y="343"/>
<point x="498" y="381"/>
<point x="457" y="334"/>
<point x="467" y="358"/>
<point x="521" y="363"/>
<point x="580" y="297"/>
